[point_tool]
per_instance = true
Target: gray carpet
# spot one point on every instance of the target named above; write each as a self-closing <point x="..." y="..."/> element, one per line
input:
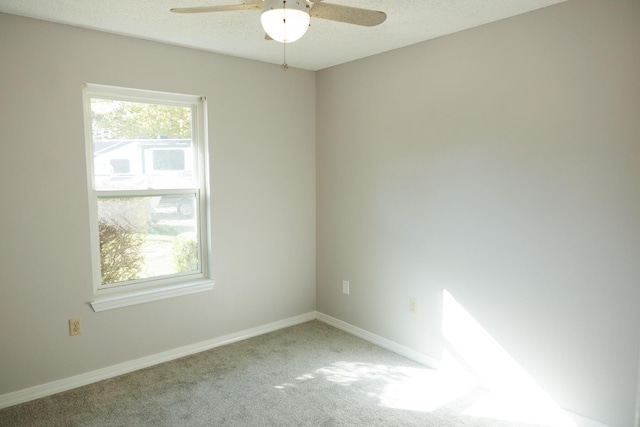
<point x="306" y="375"/>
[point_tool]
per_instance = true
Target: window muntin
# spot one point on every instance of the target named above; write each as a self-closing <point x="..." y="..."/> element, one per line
<point x="147" y="175"/>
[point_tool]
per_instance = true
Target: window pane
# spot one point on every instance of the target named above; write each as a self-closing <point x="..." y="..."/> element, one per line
<point x="150" y="143"/>
<point x="145" y="237"/>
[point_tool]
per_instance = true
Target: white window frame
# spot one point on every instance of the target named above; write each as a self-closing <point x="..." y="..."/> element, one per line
<point x="152" y="289"/>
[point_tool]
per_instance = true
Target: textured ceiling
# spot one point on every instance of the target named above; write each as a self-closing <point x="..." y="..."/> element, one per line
<point x="239" y="33"/>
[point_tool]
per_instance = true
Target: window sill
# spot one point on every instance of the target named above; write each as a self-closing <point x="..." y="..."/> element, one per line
<point x="140" y="296"/>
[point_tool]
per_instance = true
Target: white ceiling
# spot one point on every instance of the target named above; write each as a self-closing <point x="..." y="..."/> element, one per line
<point x="239" y="33"/>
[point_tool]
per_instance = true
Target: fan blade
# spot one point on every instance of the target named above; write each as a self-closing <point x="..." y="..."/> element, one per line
<point x="227" y="8"/>
<point x="349" y="15"/>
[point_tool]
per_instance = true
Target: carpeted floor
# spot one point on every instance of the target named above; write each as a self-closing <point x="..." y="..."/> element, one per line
<point x="306" y="375"/>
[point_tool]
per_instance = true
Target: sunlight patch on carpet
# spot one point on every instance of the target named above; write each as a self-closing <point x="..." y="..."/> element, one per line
<point x="402" y="387"/>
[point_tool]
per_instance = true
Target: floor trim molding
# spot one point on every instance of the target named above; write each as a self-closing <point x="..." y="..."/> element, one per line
<point x="578" y="420"/>
<point x="80" y="380"/>
<point x="53" y="387"/>
<point x="380" y="341"/>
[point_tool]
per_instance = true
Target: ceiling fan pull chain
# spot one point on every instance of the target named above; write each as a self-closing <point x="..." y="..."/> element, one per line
<point x="284" y="65"/>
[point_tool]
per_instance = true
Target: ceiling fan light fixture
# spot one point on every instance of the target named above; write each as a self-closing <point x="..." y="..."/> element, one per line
<point x="285" y="20"/>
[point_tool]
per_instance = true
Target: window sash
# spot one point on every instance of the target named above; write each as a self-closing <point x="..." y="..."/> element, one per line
<point x="118" y="195"/>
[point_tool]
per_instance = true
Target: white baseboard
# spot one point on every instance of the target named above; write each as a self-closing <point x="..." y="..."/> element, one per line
<point x="380" y="341"/>
<point x="431" y="362"/>
<point x="65" y="384"/>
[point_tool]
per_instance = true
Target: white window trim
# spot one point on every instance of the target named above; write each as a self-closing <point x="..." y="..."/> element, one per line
<point x="107" y="298"/>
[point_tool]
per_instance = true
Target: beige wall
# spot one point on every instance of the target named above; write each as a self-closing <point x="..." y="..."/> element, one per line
<point x="262" y="180"/>
<point x="501" y="164"/>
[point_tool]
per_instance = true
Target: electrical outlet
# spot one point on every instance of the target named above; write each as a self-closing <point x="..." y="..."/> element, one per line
<point x="413" y="305"/>
<point x="74" y="326"/>
<point x="345" y="287"/>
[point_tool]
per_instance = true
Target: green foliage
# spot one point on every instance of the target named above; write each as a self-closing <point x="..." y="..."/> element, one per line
<point x="185" y="252"/>
<point x="122" y="230"/>
<point x="134" y="120"/>
<point x="120" y="252"/>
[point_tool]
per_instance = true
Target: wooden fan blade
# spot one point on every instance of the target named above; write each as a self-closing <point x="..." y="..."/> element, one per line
<point x="226" y="8"/>
<point x="349" y="15"/>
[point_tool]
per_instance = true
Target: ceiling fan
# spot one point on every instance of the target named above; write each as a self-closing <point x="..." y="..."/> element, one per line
<point x="287" y="20"/>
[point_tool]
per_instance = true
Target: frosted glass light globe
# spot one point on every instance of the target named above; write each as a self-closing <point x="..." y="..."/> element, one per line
<point x="285" y="20"/>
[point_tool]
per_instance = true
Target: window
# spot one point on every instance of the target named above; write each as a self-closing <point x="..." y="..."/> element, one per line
<point x="168" y="160"/>
<point x="121" y="165"/>
<point x="147" y="179"/>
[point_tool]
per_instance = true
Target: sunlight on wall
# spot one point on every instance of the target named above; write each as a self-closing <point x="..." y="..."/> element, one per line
<point x="478" y="379"/>
<point x="514" y="395"/>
